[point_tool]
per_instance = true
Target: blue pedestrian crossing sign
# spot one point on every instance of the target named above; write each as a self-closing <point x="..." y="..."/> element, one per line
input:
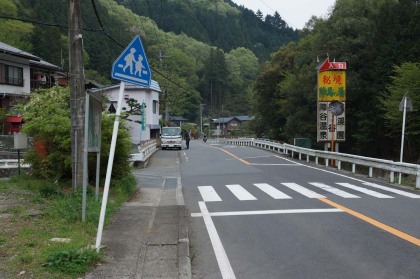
<point x="132" y="65"/>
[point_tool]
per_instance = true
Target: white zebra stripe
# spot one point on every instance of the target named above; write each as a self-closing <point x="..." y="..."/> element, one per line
<point x="271" y="191"/>
<point x="396" y="191"/>
<point x="333" y="190"/>
<point x="302" y="190"/>
<point x="208" y="194"/>
<point x="366" y="191"/>
<point x="240" y="192"/>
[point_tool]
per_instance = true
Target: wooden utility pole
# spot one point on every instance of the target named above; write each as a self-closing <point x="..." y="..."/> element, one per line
<point x="77" y="90"/>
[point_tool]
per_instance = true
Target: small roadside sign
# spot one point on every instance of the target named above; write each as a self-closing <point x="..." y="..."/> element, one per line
<point x="406" y="103"/>
<point x="132" y="66"/>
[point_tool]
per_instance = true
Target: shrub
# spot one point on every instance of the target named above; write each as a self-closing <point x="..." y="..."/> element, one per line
<point x="47" y="119"/>
<point x="72" y="261"/>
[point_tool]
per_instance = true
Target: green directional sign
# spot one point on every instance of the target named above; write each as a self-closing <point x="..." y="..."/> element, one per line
<point x="143" y="117"/>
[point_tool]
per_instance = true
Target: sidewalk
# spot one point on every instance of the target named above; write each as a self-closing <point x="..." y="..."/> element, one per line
<point x="148" y="237"/>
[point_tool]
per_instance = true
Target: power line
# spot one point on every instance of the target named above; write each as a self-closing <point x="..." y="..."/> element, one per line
<point x="267" y="5"/>
<point x="44" y="23"/>
<point x="122" y="46"/>
<point x="102" y="30"/>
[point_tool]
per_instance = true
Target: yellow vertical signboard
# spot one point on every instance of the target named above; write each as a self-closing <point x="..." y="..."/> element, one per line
<point x="332" y="86"/>
<point x="331" y="89"/>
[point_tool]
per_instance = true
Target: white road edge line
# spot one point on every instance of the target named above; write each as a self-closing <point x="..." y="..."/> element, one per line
<point x="399" y="192"/>
<point x="266" y="212"/>
<point x="258" y="164"/>
<point x="352" y="178"/>
<point x="219" y="250"/>
<point x="186" y="157"/>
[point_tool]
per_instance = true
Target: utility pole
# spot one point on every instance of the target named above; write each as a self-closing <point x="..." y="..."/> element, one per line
<point x="77" y="90"/>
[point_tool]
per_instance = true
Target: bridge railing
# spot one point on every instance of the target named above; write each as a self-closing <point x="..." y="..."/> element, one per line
<point x="329" y="157"/>
<point x="146" y="150"/>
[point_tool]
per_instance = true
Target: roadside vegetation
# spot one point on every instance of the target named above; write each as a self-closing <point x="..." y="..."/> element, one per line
<point x="38" y="211"/>
<point x="42" y="234"/>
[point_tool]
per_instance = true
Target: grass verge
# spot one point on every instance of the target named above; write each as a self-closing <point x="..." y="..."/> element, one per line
<point x="32" y="212"/>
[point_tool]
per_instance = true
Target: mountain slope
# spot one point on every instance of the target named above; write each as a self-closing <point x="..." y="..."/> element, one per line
<point x="219" y="23"/>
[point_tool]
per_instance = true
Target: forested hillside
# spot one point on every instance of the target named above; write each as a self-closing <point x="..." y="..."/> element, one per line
<point x="211" y="51"/>
<point x="201" y="51"/>
<point x="218" y="23"/>
<point x="379" y="40"/>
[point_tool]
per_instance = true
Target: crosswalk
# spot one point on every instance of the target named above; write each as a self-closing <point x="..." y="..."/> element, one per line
<point x="318" y="190"/>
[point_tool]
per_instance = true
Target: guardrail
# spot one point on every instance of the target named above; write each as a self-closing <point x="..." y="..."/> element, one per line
<point x="12" y="164"/>
<point x="329" y="157"/>
<point x="145" y="151"/>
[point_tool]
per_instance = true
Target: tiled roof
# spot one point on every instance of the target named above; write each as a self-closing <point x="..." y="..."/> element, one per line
<point x="43" y="64"/>
<point x="17" y="52"/>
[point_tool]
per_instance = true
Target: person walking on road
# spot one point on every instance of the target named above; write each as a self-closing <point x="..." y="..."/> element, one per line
<point x="187" y="139"/>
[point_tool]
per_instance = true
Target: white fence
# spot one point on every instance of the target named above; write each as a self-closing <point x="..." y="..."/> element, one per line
<point x="372" y="163"/>
<point x="12" y="164"/>
<point x="145" y="151"/>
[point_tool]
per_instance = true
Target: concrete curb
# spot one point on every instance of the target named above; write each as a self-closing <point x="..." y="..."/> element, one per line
<point x="183" y="245"/>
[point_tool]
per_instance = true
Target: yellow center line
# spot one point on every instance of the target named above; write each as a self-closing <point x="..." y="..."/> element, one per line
<point x="374" y="222"/>
<point x="232" y="155"/>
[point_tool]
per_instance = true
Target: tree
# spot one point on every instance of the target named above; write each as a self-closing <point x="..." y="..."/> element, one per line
<point x="405" y="80"/>
<point x="214" y="80"/>
<point x="12" y="32"/>
<point x="243" y="67"/>
<point x="259" y="15"/>
<point x="47" y="119"/>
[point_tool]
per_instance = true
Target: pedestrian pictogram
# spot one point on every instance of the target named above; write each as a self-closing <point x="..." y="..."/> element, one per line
<point x="132" y="65"/>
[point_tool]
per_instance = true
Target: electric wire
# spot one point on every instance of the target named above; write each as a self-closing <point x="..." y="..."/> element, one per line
<point x="102" y="30"/>
<point x="45" y="23"/>
<point x="122" y="46"/>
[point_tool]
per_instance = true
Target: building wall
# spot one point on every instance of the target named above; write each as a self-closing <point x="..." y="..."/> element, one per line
<point x="21" y="63"/>
<point x="152" y="118"/>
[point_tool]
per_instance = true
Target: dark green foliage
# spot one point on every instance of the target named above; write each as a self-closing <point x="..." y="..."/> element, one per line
<point x="121" y="164"/>
<point x="47" y="119"/>
<point x="371" y="37"/>
<point x="214" y="81"/>
<point x="217" y="24"/>
<point x="184" y="61"/>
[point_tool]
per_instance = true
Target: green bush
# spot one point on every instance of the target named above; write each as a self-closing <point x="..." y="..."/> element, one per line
<point x="72" y="261"/>
<point x="47" y="119"/>
<point x="25" y="241"/>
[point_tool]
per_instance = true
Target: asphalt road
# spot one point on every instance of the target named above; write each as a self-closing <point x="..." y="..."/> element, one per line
<point x="256" y="214"/>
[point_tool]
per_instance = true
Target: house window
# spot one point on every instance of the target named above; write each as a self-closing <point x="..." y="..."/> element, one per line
<point x="11" y="75"/>
<point x="155" y="107"/>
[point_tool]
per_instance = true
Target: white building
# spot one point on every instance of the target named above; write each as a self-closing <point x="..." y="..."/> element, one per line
<point x="20" y="73"/>
<point x="150" y="96"/>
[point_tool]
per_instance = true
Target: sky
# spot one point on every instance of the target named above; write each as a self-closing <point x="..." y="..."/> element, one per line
<point x="295" y="12"/>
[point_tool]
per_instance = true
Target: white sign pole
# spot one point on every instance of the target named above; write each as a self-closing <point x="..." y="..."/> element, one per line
<point x="109" y="170"/>
<point x="402" y="134"/>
